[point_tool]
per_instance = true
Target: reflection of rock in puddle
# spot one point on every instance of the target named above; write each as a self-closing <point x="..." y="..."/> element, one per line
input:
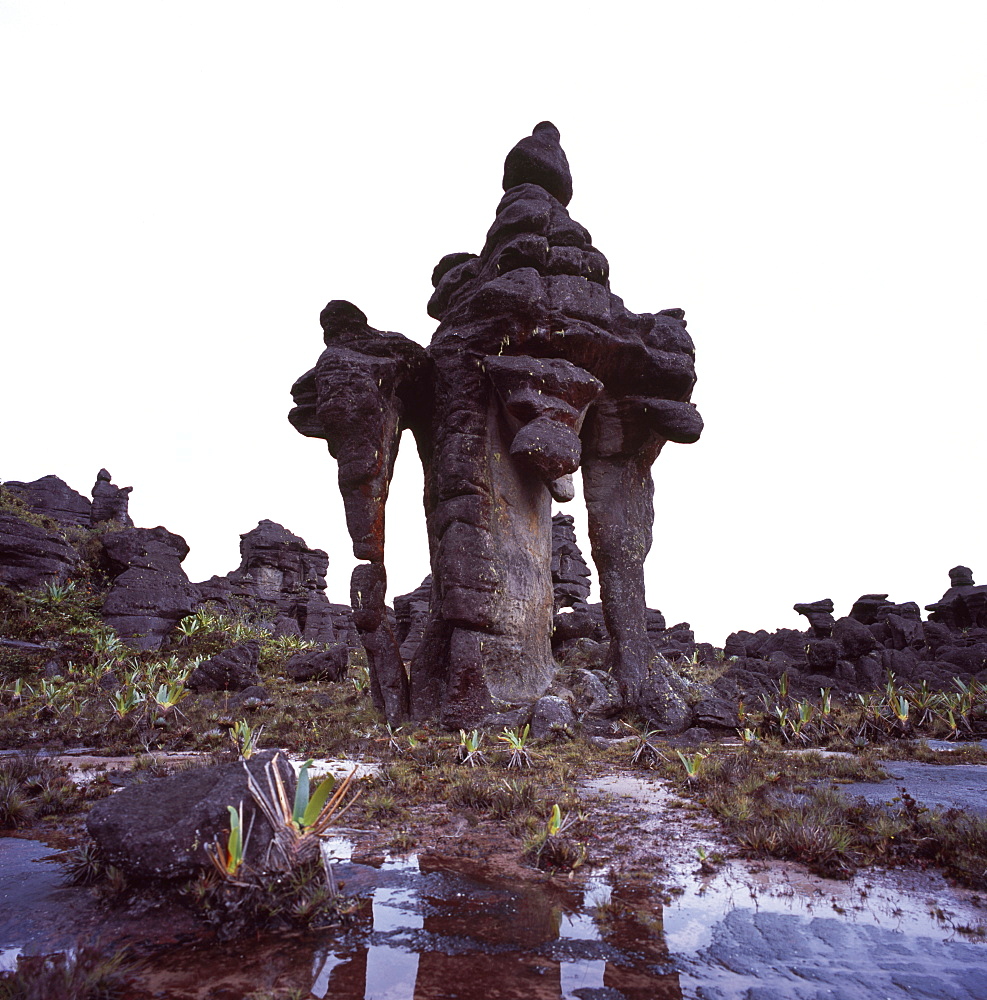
<point x="430" y="927"/>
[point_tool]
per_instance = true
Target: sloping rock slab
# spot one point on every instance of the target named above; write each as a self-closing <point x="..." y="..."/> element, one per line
<point x="31" y="556"/>
<point x="158" y="829"/>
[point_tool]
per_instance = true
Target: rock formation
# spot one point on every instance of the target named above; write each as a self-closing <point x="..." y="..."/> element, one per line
<point x="857" y="652"/>
<point x="536" y="369"/>
<point x="964" y="605"/>
<point x="32" y="555"/>
<point x="570" y="574"/>
<point x="150" y="592"/>
<point x="281" y="579"/>
<point x="53" y="497"/>
<point x="110" y="503"/>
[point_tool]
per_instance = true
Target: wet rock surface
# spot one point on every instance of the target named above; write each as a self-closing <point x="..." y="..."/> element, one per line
<point x="936" y="786"/>
<point x="773" y="956"/>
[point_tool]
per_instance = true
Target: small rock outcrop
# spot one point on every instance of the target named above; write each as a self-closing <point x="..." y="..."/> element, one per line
<point x="159" y="829"/>
<point x="150" y="592"/>
<point x="110" y="503"/>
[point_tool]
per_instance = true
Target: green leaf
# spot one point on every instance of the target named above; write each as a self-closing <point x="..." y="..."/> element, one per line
<point x="319" y="800"/>
<point x="301" y="792"/>
<point x="234" y="846"/>
<point x="555" y="820"/>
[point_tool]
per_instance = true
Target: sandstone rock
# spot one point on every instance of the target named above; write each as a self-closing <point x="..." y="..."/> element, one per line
<point x="53" y="497"/>
<point x="506" y="403"/>
<point x="867" y="609"/>
<point x="853" y="638"/>
<point x="110" y="503"/>
<point x="32" y="556"/>
<point x="820" y="616"/>
<point x="822" y="655"/>
<point x="964" y="605"/>
<point x="150" y="592"/>
<point x="319" y="665"/>
<point x="411" y="613"/>
<point x="158" y="829"/>
<point x="591" y="693"/>
<point x="551" y="717"/>
<point x="570" y="574"/>
<point x="232" y="670"/>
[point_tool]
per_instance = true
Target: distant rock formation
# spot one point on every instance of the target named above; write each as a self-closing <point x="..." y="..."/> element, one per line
<point x="859" y="652"/>
<point x="964" y="605"/>
<point x="283" y="580"/>
<point x="411" y="613"/>
<point x="53" y="497"/>
<point x="570" y="574"/>
<point x="150" y="592"/>
<point x="536" y="369"/>
<point x="110" y="503"/>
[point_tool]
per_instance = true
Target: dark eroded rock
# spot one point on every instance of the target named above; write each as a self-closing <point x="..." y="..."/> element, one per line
<point x="232" y="670"/>
<point x="157" y="829"/>
<point x="150" y="592"/>
<point x="53" y="497"/>
<point x="110" y="503"/>
<point x="319" y="665"/>
<point x="32" y="556"/>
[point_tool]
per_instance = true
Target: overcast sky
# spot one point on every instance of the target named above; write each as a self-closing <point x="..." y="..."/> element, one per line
<point x="185" y="184"/>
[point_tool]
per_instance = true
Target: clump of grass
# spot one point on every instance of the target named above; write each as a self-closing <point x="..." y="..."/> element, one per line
<point x="774" y="803"/>
<point x="87" y="974"/>
<point x="32" y="787"/>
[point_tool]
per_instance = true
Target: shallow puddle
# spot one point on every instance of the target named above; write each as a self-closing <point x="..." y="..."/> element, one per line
<point x="429" y="927"/>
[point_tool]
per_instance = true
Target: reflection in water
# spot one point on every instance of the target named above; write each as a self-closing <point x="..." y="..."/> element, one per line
<point x="8" y="958"/>
<point x="587" y="973"/>
<point x="436" y="932"/>
<point x="391" y="971"/>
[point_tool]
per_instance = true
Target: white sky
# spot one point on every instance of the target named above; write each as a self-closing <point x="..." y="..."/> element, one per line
<point x="185" y="184"/>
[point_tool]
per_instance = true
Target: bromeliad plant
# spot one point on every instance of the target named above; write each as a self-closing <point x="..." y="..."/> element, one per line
<point x="229" y="859"/>
<point x="692" y="764"/>
<point x="298" y="825"/>
<point x="245" y="738"/>
<point x="468" y="751"/>
<point x="516" y="746"/>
